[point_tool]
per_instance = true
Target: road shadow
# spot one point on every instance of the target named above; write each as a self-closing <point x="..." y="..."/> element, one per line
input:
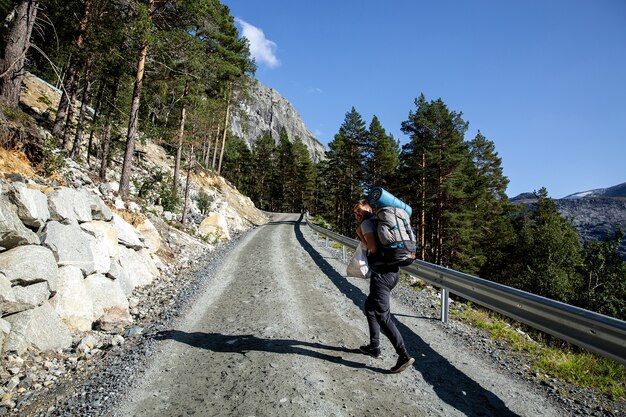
<point x="242" y="344"/>
<point x="450" y="384"/>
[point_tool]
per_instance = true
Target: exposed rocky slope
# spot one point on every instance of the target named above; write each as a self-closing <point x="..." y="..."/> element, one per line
<point x="595" y="214"/>
<point x="266" y="110"/>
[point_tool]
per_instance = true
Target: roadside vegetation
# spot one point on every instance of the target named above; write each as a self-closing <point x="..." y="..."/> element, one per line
<point x="545" y="355"/>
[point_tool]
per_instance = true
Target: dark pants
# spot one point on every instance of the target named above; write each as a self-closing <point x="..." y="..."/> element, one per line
<point x="377" y="309"/>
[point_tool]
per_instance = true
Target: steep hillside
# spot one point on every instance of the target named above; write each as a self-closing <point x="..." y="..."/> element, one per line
<point x="596" y="214"/>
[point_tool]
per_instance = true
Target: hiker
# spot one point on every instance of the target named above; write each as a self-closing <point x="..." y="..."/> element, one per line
<point x="383" y="279"/>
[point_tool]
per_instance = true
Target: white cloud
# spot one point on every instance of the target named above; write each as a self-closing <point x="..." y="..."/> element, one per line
<point x="315" y="90"/>
<point x="262" y="49"/>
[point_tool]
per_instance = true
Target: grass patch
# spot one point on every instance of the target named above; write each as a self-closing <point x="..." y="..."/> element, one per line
<point x="566" y="364"/>
<point x="584" y="369"/>
<point x="14" y="113"/>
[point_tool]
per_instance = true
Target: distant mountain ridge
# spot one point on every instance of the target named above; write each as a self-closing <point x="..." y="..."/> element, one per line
<point x="595" y="214"/>
<point x="267" y="110"/>
<point x="616" y="191"/>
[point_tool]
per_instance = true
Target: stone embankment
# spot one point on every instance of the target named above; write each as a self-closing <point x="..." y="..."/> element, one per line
<point x="76" y="268"/>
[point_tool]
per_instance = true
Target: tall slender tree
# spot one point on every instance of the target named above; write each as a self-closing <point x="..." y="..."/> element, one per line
<point x="346" y="168"/>
<point x="381" y="156"/>
<point x="16" y="45"/>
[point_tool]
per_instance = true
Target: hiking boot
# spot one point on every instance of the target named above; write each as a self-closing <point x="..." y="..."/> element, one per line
<point x="404" y="361"/>
<point x="370" y="350"/>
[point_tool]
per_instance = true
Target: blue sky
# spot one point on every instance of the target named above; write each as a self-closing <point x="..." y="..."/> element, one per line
<point x="544" y="80"/>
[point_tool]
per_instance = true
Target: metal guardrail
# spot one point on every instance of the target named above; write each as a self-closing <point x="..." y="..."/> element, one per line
<point x="595" y="332"/>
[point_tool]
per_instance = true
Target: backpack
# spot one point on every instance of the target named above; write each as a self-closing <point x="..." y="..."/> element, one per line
<point x="398" y="244"/>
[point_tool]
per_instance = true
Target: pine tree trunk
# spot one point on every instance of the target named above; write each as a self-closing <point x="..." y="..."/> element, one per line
<point x="219" y="166"/>
<point x="78" y="137"/>
<point x="106" y="137"/>
<point x="69" y="123"/>
<point x="181" y="133"/>
<point x="423" y="213"/>
<point x="96" y="117"/>
<point x="217" y="138"/>
<point x="17" y="44"/>
<point x="187" y="183"/>
<point x="59" y="119"/>
<point x="68" y="95"/>
<point x="133" y="121"/>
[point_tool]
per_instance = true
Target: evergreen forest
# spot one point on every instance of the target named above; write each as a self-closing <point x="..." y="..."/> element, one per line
<point x="173" y="71"/>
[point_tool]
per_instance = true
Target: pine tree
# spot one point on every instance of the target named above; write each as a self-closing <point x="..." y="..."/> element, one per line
<point x="346" y="161"/>
<point x="435" y="171"/>
<point x="283" y="178"/>
<point x="488" y="200"/>
<point x="604" y="289"/>
<point x="549" y="253"/>
<point x="16" y="45"/>
<point x="263" y="161"/>
<point x="382" y="153"/>
<point x="304" y="184"/>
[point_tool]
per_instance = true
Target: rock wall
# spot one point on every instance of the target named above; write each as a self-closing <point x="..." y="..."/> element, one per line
<point x="266" y="110"/>
<point x="67" y="264"/>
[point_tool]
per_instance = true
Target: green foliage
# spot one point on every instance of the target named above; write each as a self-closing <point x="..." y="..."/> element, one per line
<point x="203" y="200"/>
<point x="604" y="288"/>
<point x="550" y="251"/>
<point x="567" y="364"/>
<point x="170" y="199"/>
<point x="345" y="170"/>
<point x="381" y="156"/>
<point x="52" y="160"/>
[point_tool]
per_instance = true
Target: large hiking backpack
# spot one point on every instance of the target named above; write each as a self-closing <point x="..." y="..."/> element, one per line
<point x="396" y="236"/>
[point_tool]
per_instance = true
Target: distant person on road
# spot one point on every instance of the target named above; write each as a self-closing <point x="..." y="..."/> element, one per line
<point x="383" y="279"/>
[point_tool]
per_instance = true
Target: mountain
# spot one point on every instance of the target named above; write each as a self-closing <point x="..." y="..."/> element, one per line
<point x="616" y="191"/>
<point x="594" y="213"/>
<point x="266" y="110"/>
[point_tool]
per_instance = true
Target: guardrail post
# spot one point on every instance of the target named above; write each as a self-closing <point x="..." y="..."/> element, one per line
<point x="326" y="241"/>
<point x="343" y="253"/>
<point x="444" y="305"/>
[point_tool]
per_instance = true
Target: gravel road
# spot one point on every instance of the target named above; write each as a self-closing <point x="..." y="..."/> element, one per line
<point x="275" y="331"/>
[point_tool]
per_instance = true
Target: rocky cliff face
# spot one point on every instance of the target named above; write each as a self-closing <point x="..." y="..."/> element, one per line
<point x="266" y="110"/>
<point x="595" y="218"/>
<point x="596" y="214"/>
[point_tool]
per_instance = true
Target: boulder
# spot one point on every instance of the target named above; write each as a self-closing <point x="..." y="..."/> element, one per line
<point x="72" y="301"/>
<point x="126" y="234"/>
<point x="139" y="268"/>
<point x="106" y="236"/>
<point x="5" y="329"/>
<point x="99" y="210"/>
<point x="215" y="225"/>
<point x="8" y="302"/>
<point x="116" y="271"/>
<point x="105" y="294"/>
<point x="32" y="205"/>
<point x="32" y="295"/>
<point x="70" y="245"/>
<point x="114" y="318"/>
<point x="68" y="205"/>
<point x="40" y="328"/>
<point x="13" y="233"/>
<point x="152" y="238"/>
<point x="30" y="264"/>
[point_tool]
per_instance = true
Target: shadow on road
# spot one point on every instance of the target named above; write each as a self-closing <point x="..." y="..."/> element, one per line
<point x="217" y="342"/>
<point x="451" y="385"/>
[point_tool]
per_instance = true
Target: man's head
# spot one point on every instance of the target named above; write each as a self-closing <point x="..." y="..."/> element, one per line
<point x="363" y="210"/>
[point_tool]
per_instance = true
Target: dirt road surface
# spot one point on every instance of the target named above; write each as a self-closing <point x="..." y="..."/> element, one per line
<point x="275" y="334"/>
